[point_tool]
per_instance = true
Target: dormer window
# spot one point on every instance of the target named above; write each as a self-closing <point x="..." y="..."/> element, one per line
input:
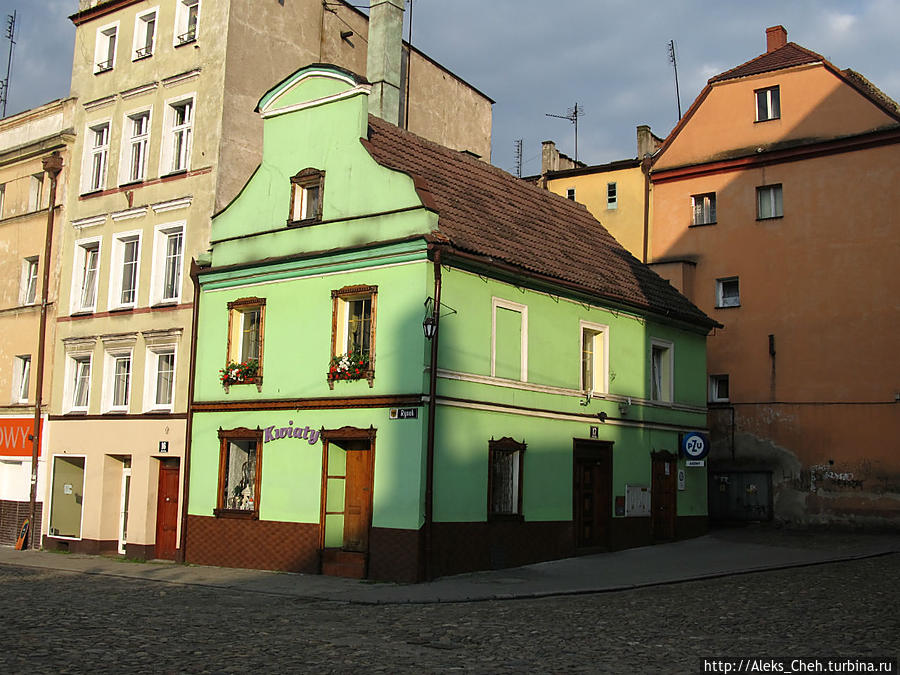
<point x="306" y="196"/>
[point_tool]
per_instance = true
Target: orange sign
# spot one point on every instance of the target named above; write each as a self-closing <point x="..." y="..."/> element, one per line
<point x="14" y="436"/>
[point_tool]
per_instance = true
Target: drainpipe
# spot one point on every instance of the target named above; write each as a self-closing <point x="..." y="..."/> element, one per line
<point x="195" y="320"/>
<point x="52" y="165"/>
<point x="645" y="168"/>
<point x="432" y="408"/>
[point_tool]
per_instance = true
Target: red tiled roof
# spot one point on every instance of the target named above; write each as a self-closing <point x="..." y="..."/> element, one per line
<point x="865" y="86"/>
<point x="485" y="211"/>
<point x="788" y="56"/>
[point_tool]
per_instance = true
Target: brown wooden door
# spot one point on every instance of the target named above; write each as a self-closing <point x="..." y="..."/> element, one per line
<point x="662" y="496"/>
<point x="167" y="509"/>
<point x="358" y="501"/>
<point x="592" y="493"/>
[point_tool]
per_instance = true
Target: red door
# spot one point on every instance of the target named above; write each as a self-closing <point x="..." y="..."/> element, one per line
<point x="167" y="509"/>
<point x="662" y="496"/>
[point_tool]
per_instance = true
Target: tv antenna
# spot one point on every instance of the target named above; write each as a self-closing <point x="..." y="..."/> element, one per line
<point x="11" y="36"/>
<point x="675" y="66"/>
<point x="517" y="144"/>
<point x="572" y="114"/>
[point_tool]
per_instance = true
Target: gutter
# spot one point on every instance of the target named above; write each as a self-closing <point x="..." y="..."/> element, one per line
<point x="432" y="410"/>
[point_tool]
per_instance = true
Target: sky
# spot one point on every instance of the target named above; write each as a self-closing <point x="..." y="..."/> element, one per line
<point x="535" y="57"/>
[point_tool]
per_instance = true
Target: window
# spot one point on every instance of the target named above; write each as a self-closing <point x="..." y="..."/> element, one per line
<point x="612" y="197"/>
<point x="144" y="35"/>
<point x="505" y="459"/>
<point x="36" y="192"/>
<point x="28" y="287"/>
<point x="246" y="318"/>
<point x="2" y="197"/>
<point x="240" y="469"/>
<point x="21" y="378"/>
<point x="728" y="292"/>
<point x="80" y="382"/>
<point x="704" y="208"/>
<point x="570" y="194"/>
<point x="66" y="496"/>
<point x="168" y="259"/>
<point x="159" y="389"/>
<point x="306" y="195"/>
<point x="84" y="286"/>
<point x="180" y="122"/>
<point x="187" y="18"/>
<point x="135" y="161"/>
<point x="353" y="334"/>
<point x="118" y="381"/>
<point x="105" y="50"/>
<point x="768" y="104"/>
<point x="718" y="388"/>
<point x="509" y="340"/>
<point x="594" y="350"/>
<point x="769" y="202"/>
<point x="125" y="266"/>
<point x="98" y="157"/>
<point x="661" y="371"/>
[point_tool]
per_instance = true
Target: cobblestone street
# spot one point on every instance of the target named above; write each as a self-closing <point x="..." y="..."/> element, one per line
<point x="67" y="623"/>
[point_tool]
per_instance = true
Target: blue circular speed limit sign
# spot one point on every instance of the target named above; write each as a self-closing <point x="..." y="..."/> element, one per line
<point x="695" y="445"/>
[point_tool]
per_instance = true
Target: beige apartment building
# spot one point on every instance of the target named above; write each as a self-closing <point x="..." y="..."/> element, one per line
<point x="166" y="136"/>
<point x="25" y="139"/>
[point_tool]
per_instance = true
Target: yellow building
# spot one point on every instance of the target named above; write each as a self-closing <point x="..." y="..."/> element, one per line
<point x="167" y="135"/>
<point x="25" y="140"/>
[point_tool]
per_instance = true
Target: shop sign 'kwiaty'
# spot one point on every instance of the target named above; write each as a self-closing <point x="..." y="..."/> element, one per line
<point x="308" y="434"/>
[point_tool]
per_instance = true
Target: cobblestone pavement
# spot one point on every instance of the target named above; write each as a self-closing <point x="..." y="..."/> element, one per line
<point x="65" y="622"/>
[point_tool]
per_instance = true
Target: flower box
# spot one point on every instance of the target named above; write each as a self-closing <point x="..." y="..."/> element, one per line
<point x="353" y="366"/>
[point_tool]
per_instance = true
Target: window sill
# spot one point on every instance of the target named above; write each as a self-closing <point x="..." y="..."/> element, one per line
<point x="159" y="411"/>
<point x="728" y="306"/>
<point x="120" y="310"/>
<point x="257" y="380"/>
<point x="105" y="70"/>
<point x="142" y="57"/>
<point x="368" y="375"/>
<point x="506" y="518"/>
<point x="76" y="413"/>
<point x="174" y="174"/>
<point x="306" y="222"/>
<point x="92" y="193"/>
<point x="131" y="183"/>
<point x="714" y="222"/>
<point x="164" y="303"/>
<point x="182" y="43"/>
<point x="768" y="119"/>
<point x="82" y="312"/>
<point x="761" y="218"/>
<point x="237" y="515"/>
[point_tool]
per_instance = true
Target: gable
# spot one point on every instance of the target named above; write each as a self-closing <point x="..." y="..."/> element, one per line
<point x="311" y="86"/>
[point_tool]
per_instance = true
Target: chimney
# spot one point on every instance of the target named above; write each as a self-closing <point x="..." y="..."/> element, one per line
<point x="776" y="38"/>
<point x="385" y="53"/>
<point x="646" y="142"/>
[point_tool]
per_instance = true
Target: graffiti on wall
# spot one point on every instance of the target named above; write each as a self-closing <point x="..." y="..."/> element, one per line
<point x="824" y="476"/>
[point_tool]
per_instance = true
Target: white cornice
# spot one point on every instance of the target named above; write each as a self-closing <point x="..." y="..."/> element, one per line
<point x="137" y="91"/>
<point x="99" y="103"/>
<point x="172" y="204"/>
<point x="129" y="213"/>
<point x="355" y="91"/>
<point x="83" y="223"/>
<point x="181" y="78"/>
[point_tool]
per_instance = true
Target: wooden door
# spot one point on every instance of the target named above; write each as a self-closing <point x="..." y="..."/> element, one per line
<point x="357" y="501"/>
<point x="662" y="496"/>
<point x="592" y="493"/>
<point x="167" y="509"/>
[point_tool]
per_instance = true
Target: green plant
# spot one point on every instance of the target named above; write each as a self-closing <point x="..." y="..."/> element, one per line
<point x="235" y="373"/>
<point x="352" y="366"/>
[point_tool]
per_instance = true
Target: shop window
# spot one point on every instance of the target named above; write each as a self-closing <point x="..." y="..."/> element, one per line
<point x="509" y="343"/>
<point x="594" y="350"/>
<point x="307" y="188"/>
<point x="505" y="459"/>
<point x="66" y="497"/>
<point x="353" y="334"/>
<point x="240" y="473"/>
<point x="662" y="378"/>
<point x="246" y="337"/>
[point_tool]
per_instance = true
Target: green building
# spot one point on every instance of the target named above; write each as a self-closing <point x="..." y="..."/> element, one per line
<point x="566" y="372"/>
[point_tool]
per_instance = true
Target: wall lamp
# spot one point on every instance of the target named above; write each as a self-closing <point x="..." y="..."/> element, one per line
<point x="430" y="322"/>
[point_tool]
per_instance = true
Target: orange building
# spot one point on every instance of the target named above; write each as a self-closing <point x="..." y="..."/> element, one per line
<point x="775" y="209"/>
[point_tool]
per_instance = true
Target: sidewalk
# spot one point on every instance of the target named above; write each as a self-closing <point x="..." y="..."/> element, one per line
<point x="721" y="553"/>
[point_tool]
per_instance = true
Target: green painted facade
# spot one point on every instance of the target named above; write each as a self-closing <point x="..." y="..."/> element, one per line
<point x="498" y="375"/>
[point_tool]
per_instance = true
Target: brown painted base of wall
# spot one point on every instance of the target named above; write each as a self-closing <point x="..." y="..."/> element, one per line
<point x="688" y="527"/>
<point x="12" y="515"/>
<point x="396" y="555"/>
<point x="140" y="551"/>
<point x="629" y="533"/>
<point x="466" y="547"/>
<point x="85" y="546"/>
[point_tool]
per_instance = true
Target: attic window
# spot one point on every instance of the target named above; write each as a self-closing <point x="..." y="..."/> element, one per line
<point x="306" y="196"/>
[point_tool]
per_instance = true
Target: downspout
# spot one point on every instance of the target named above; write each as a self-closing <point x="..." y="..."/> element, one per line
<point x="645" y="168"/>
<point x="432" y="408"/>
<point x="52" y="165"/>
<point x="195" y="320"/>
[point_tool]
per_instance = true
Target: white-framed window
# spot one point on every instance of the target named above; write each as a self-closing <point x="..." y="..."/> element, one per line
<point x="86" y="270"/>
<point x="728" y="292"/>
<point x="125" y="269"/>
<point x="187" y="21"/>
<point x="769" y="202"/>
<point x="570" y="194"/>
<point x="594" y="357"/>
<point x="718" y="389"/>
<point x="96" y="157"/>
<point x="117" y="381"/>
<point x="178" y="136"/>
<point x="36" y="192"/>
<point x="21" y="378"/>
<point x="28" y="285"/>
<point x="662" y="370"/>
<point x="145" y="34"/>
<point x="105" y="49"/>
<point x="612" y="197"/>
<point x="768" y="104"/>
<point x="133" y="166"/>
<point x="159" y="378"/>
<point x="168" y="261"/>
<point x="703" y="208"/>
<point x="66" y="496"/>
<point x="509" y="340"/>
<point x="78" y="382"/>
